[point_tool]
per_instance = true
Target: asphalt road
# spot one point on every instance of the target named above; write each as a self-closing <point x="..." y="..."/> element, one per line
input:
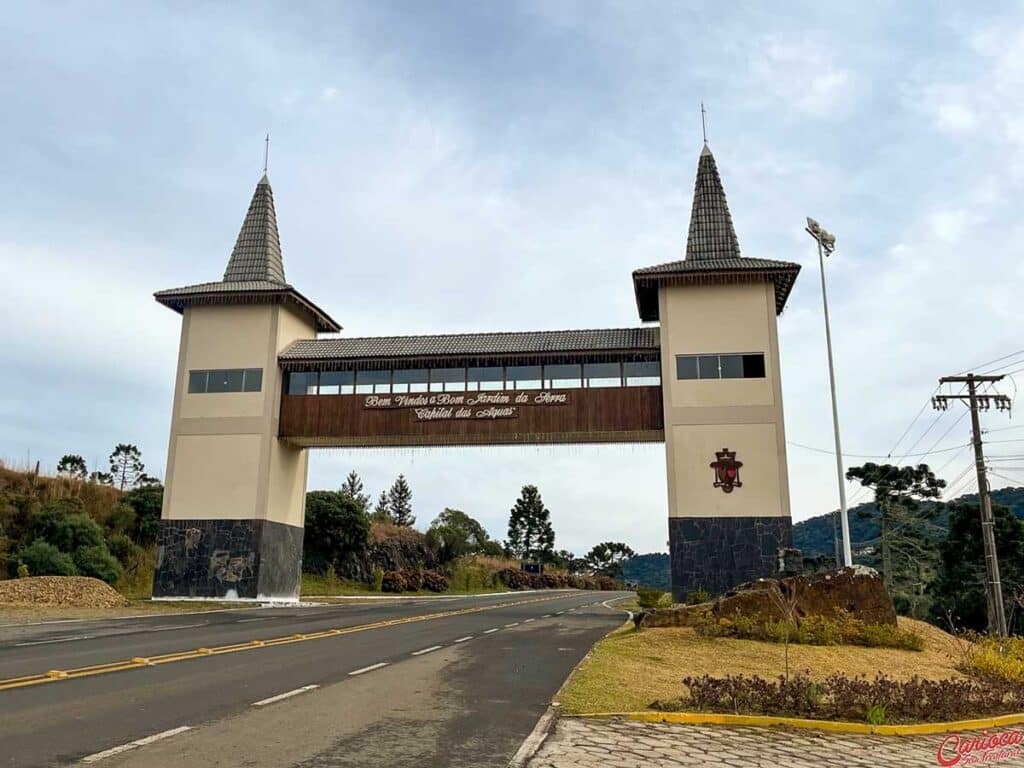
<point x="449" y="682"/>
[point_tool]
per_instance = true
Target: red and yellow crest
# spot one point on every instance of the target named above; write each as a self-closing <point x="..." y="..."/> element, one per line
<point x="727" y="470"/>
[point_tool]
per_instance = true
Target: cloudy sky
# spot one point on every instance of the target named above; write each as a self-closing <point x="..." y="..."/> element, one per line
<point x="468" y="166"/>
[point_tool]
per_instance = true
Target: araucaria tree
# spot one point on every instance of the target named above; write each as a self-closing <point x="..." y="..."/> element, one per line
<point x="126" y="466"/>
<point x="903" y="521"/>
<point x="382" y="510"/>
<point x="400" y="503"/>
<point x="352" y="488"/>
<point x="606" y="559"/>
<point x="530" y="535"/>
<point x="72" y="465"/>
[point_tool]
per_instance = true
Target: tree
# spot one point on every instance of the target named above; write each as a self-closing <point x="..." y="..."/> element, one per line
<point x="959" y="590"/>
<point x="453" y="534"/>
<point x="382" y="511"/>
<point x="353" y="489"/>
<point x="606" y="559"/>
<point x="530" y="535"/>
<point x="101" y="478"/>
<point x="71" y="465"/>
<point x="146" y="501"/>
<point x="44" y="559"/>
<point x="126" y="466"/>
<point x="336" y="529"/>
<point x="400" y="503"/>
<point x="904" y="524"/>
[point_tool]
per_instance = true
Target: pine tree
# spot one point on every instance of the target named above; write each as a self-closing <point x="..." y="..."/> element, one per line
<point x="126" y="466"/>
<point x="400" y="503"/>
<point x="382" y="512"/>
<point x="352" y="488"/>
<point x="530" y="535"/>
<point x="73" y="466"/>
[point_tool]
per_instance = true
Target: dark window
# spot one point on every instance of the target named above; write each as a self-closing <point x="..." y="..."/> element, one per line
<point x="225" y="381"/>
<point x="748" y="366"/>
<point x="707" y="367"/>
<point x="447" y="379"/>
<point x="485" y="378"/>
<point x="252" y="380"/>
<point x="568" y="376"/>
<point x="197" y="381"/>
<point x="523" y="377"/>
<point x="302" y="383"/>
<point x="686" y="366"/>
<point x="337" y="382"/>
<point x="753" y="366"/>
<point x="410" y="380"/>
<point x="642" y="374"/>
<point x="373" y="382"/>
<point x="602" y="375"/>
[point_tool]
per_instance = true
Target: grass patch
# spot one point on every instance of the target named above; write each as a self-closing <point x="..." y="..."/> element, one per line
<point x="314" y="585"/>
<point x="628" y="669"/>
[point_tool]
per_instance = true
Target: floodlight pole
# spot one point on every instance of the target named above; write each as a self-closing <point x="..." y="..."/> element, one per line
<point x="815" y="231"/>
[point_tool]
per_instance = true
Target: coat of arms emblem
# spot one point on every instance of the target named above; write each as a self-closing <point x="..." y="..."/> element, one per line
<point x="727" y="470"/>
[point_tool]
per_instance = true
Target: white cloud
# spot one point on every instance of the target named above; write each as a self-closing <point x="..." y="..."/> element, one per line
<point x="803" y="74"/>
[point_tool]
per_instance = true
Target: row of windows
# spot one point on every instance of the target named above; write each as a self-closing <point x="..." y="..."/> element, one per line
<point x="749" y="366"/>
<point x="228" y="380"/>
<point x="475" y="379"/>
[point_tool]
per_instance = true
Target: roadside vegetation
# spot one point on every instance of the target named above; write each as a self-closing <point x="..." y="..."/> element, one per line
<point x="105" y="524"/>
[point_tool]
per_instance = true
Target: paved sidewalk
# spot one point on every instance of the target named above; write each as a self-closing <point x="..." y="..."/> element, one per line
<point x="601" y="743"/>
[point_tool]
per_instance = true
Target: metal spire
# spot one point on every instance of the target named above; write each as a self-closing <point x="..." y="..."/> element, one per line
<point x="266" y="152"/>
<point x="704" y="123"/>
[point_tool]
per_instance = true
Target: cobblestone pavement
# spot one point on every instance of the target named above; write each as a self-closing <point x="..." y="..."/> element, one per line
<point x="601" y="743"/>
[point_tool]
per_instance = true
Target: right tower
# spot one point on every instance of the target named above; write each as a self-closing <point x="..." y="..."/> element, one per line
<point x="725" y="438"/>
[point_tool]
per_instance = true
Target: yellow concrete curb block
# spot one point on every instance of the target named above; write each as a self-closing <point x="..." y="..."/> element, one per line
<point x="835" y="726"/>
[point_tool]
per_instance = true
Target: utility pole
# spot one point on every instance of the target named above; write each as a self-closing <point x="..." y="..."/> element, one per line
<point x="976" y="402"/>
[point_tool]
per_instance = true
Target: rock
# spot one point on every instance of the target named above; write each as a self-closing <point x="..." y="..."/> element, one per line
<point x="857" y="591"/>
<point x="71" y="591"/>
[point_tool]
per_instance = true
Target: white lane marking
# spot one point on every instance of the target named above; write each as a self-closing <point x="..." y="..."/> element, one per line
<point x="169" y="628"/>
<point x="513" y="624"/>
<point x="488" y="631"/>
<point x="426" y="650"/>
<point x="283" y="696"/>
<point x="55" y="640"/>
<point x="246" y="621"/>
<point x="528" y="621"/>
<point x="546" y="616"/>
<point x="370" y="668"/>
<point x="559" y="613"/>
<point x="133" y="744"/>
<point x="464" y="639"/>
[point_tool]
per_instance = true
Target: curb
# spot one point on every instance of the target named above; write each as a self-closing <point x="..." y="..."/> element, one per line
<point x="532" y="744"/>
<point x="834" y="726"/>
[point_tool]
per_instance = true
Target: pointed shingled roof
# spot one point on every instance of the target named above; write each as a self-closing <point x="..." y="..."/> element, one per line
<point x="257" y="251"/>
<point x="712" y="235"/>
<point x="255" y="273"/>
<point x="712" y="251"/>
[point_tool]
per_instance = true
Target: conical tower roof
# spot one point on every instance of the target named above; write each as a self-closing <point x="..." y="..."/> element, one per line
<point x="712" y="251"/>
<point x="712" y="235"/>
<point x="255" y="273"/>
<point x="257" y="251"/>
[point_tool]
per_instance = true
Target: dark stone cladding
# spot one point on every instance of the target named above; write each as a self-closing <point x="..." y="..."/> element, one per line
<point x="213" y="558"/>
<point x="719" y="553"/>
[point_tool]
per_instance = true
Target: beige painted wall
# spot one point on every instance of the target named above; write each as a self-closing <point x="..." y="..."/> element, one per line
<point x="743" y="415"/>
<point x="224" y="458"/>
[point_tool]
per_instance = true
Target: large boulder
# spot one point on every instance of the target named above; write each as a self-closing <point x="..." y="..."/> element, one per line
<point x="857" y="591"/>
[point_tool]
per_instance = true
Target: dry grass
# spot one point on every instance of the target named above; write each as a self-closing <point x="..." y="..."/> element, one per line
<point x="628" y="670"/>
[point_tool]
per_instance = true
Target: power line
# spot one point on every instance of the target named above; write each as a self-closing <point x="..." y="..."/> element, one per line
<point x="990" y="362"/>
<point x="877" y="456"/>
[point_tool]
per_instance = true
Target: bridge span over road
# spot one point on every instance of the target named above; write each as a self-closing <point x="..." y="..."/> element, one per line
<point x="458" y="681"/>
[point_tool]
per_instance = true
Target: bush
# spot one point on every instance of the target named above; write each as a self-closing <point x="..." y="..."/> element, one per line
<point x="67" y="532"/>
<point x="122" y="547"/>
<point x="23" y="572"/>
<point x="146" y="501"/>
<point x="392" y="581"/>
<point x="648" y="598"/>
<point x="840" y="697"/>
<point x="336" y="528"/>
<point x="44" y="559"/>
<point x="698" y="596"/>
<point x="378" y="579"/>
<point x="413" y="579"/>
<point x="811" y="630"/>
<point x="996" y="658"/>
<point x="434" y="581"/>
<point x="514" y="578"/>
<point x="97" y="562"/>
<point x="607" y="584"/>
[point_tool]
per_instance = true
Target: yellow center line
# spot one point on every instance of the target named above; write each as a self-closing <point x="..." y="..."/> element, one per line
<point x="140" y="662"/>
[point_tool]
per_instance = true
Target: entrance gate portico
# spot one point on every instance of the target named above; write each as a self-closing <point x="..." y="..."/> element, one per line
<point x="256" y="387"/>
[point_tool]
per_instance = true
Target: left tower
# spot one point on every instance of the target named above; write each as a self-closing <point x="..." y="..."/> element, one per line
<point x="232" y="520"/>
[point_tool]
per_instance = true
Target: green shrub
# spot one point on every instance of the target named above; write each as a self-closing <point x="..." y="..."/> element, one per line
<point x="67" y="532"/>
<point x="122" y="547"/>
<point x="886" y="636"/>
<point x="698" y="596"/>
<point x="996" y="658"/>
<point x="875" y="714"/>
<point x="146" y="502"/>
<point x="97" y="562"/>
<point x="23" y="572"/>
<point x="378" y="579"/>
<point x="648" y="598"/>
<point x="811" y="630"/>
<point x="43" y="559"/>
